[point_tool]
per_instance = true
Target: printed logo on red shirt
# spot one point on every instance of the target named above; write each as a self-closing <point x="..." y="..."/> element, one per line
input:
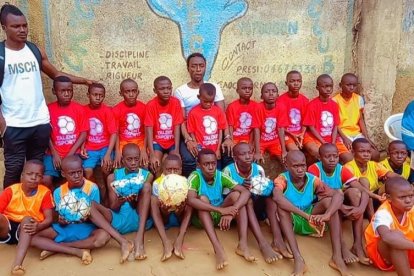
<point x="270" y="125"/>
<point x="133" y="122"/>
<point x="210" y="125"/>
<point x="95" y="131"/>
<point x="327" y="123"/>
<point x="165" y="121"/>
<point x="66" y="125"/>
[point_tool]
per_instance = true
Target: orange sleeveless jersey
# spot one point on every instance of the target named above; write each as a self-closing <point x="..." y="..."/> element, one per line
<point x="21" y="206"/>
<point x="372" y="239"/>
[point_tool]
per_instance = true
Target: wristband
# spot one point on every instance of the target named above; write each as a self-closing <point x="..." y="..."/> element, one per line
<point x="188" y="140"/>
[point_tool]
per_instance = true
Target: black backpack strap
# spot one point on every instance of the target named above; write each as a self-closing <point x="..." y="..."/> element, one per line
<point x="36" y="52"/>
<point x="2" y="61"/>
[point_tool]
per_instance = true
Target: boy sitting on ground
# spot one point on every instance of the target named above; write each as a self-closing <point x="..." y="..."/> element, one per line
<point x="242" y="171"/>
<point x="164" y="217"/>
<point x="294" y="193"/>
<point x="397" y="160"/>
<point x="390" y="235"/>
<point x="355" y="199"/>
<point x="25" y="209"/>
<point x="206" y="196"/>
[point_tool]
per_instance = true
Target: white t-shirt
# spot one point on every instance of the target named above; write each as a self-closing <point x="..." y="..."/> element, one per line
<point x="188" y="96"/>
<point x="384" y="218"/>
<point x="23" y="102"/>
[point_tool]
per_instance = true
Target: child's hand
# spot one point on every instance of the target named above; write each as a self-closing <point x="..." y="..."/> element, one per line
<point x="347" y="143"/>
<point x="218" y="154"/>
<point x="258" y="158"/>
<point x="283" y="157"/>
<point x="319" y="219"/>
<point x="62" y="221"/>
<point x="231" y="210"/>
<point x="106" y="163"/>
<point x="225" y="222"/>
<point x="227" y="146"/>
<point x="355" y="213"/>
<point x="143" y="159"/>
<point x="299" y="139"/>
<point x="57" y="161"/>
<point x="154" y="163"/>
<point x="31" y="228"/>
<point x="84" y="153"/>
<point x="381" y="198"/>
<point x="117" y="161"/>
<point x="192" y="148"/>
<point x="247" y="183"/>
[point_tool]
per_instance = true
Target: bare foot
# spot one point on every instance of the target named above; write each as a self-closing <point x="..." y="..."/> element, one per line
<point x="340" y="267"/>
<point x="245" y="253"/>
<point x="221" y="260"/>
<point x="178" y="249"/>
<point x="282" y="250"/>
<point x="362" y="257"/>
<point x="168" y="248"/>
<point x="269" y="255"/>
<point x="300" y="267"/>
<point x="139" y="251"/>
<point x="126" y="248"/>
<point x="44" y="254"/>
<point x="86" y="257"/>
<point x="18" y="270"/>
<point x="348" y="257"/>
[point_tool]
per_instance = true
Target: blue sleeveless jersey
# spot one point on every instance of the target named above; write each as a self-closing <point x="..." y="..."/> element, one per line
<point x="120" y="174"/>
<point x="301" y="199"/>
<point x="335" y="180"/>
<point x="237" y="177"/>
<point x="212" y="192"/>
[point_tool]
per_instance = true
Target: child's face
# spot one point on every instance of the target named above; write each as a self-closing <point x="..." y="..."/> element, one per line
<point x="349" y="84"/>
<point x="270" y="93"/>
<point x="196" y="68"/>
<point x="172" y="167"/>
<point x="245" y="89"/>
<point x="206" y="101"/>
<point x="63" y="92"/>
<point x="32" y="175"/>
<point x="362" y="153"/>
<point x="208" y="164"/>
<point x="96" y="96"/>
<point x="329" y="158"/>
<point x="402" y="198"/>
<point x="163" y="89"/>
<point x="130" y="159"/>
<point x="296" y="167"/>
<point x="325" y="87"/>
<point x="398" y="154"/>
<point x="243" y="155"/>
<point x="129" y="91"/>
<point x="73" y="172"/>
<point x="294" y="82"/>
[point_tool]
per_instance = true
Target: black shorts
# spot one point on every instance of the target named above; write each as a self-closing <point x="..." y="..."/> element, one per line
<point x="13" y="236"/>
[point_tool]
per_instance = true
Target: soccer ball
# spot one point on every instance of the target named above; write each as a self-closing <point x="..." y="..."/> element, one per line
<point x="133" y="121"/>
<point x="210" y="125"/>
<point x="74" y="207"/>
<point x="294" y="115"/>
<point x="96" y="126"/>
<point x="245" y="120"/>
<point x="261" y="185"/>
<point x="173" y="190"/>
<point x="270" y="125"/>
<point x="327" y="119"/>
<point x="66" y="125"/>
<point x="165" y="121"/>
<point x="128" y="187"/>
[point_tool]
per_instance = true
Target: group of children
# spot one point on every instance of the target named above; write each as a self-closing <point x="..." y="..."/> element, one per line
<point x="134" y="140"/>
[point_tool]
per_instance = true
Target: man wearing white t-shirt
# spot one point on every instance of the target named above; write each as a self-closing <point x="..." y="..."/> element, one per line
<point x="187" y="94"/>
<point x="24" y="117"/>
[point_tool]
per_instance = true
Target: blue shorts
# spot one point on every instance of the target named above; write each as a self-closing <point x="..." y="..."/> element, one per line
<point x="173" y="221"/>
<point x="126" y="220"/>
<point x="49" y="167"/>
<point x="95" y="158"/>
<point x="158" y="147"/>
<point x="73" y="232"/>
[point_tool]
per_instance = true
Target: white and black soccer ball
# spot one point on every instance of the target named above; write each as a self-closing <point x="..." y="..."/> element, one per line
<point x="66" y="125"/>
<point x="245" y="120"/>
<point x="327" y="119"/>
<point x="270" y="125"/>
<point x="261" y="185"/>
<point x="295" y="116"/>
<point x="74" y="206"/>
<point x="133" y="121"/>
<point x="95" y="126"/>
<point x="165" y="121"/>
<point x="210" y="125"/>
<point x="128" y="187"/>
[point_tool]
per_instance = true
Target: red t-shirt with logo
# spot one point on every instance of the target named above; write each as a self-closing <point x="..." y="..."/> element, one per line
<point x="67" y="124"/>
<point x="206" y="124"/>
<point x="324" y="116"/>
<point x="130" y="121"/>
<point x="163" y="119"/>
<point x="294" y="110"/>
<point x="270" y="120"/>
<point x="243" y="119"/>
<point x="101" y="126"/>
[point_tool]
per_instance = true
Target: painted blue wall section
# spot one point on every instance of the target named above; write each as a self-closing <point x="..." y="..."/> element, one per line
<point x="200" y="22"/>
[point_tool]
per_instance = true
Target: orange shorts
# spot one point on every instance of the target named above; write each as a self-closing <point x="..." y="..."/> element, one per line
<point x="379" y="262"/>
<point x="310" y="139"/>
<point x="273" y="148"/>
<point x="289" y="140"/>
<point x="138" y="142"/>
